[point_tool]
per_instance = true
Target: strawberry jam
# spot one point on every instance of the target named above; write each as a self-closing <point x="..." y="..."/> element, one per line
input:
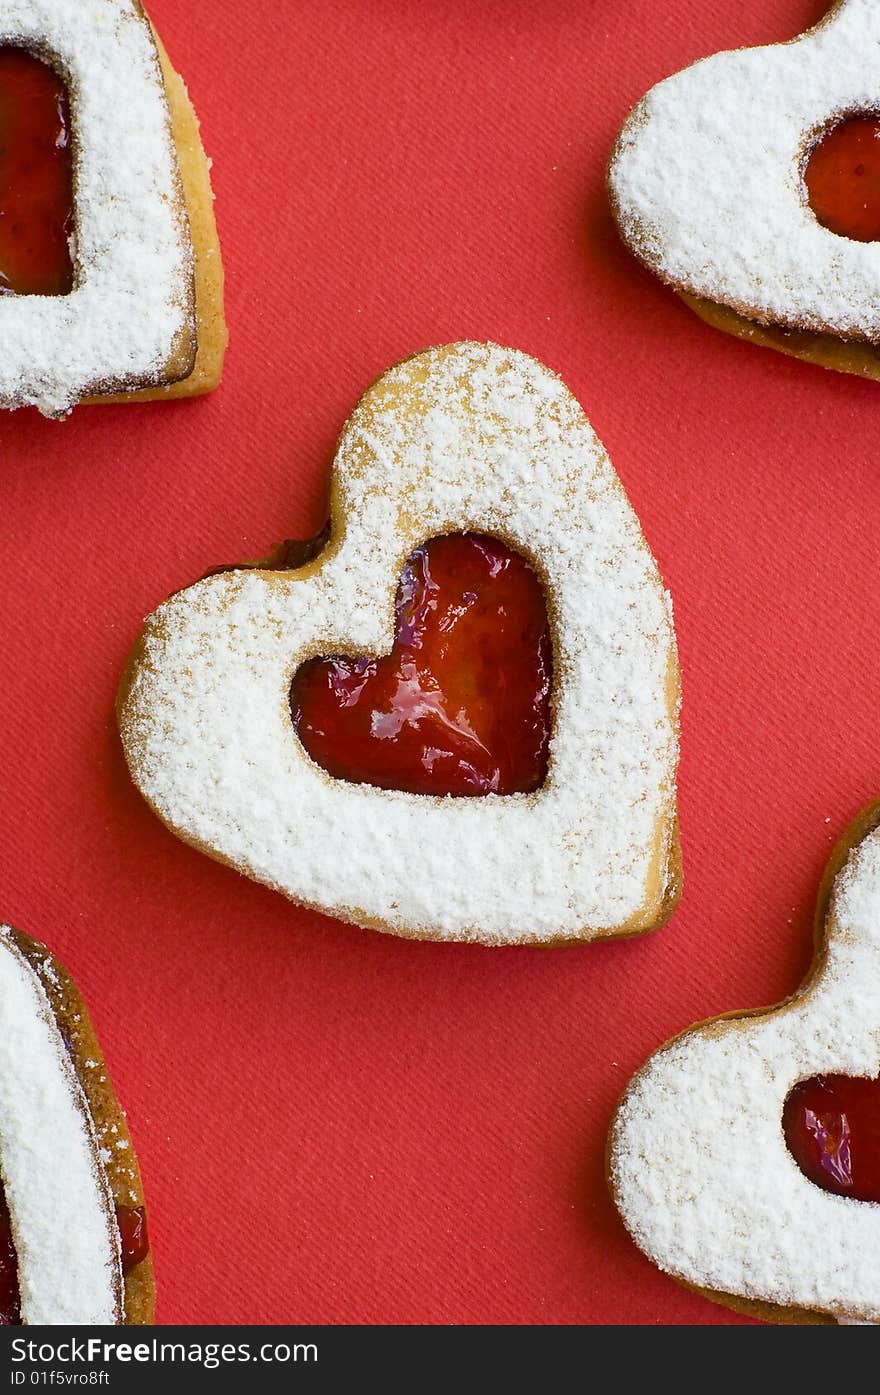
<point x="135" y="1246"/>
<point x="461" y="705"/>
<point x="288" y="556"/>
<point x="36" y="177"/>
<point x="832" y="1128"/>
<point x="132" y="1222"/>
<point x="10" y="1311"/>
<point x="842" y="176"/>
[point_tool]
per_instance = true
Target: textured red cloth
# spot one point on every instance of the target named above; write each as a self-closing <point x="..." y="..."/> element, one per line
<point x="335" y="1126"/>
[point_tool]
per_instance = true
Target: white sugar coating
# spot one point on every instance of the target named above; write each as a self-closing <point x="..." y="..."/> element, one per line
<point x="58" y="1198"/>
<point x="133" y="258"/>
<point x="699" y="1164"/>
<point x="465" y="437"/>
<point x="707" y="184"/>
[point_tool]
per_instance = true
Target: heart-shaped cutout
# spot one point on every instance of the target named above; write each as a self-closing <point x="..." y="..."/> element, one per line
<point x="726" y="181"/>
<point x="832" y="1128"/>
<point x="467" y="439"/>
<point x="734" y="1147"/>
<point x="842" y="178"/>
<point x="461" y="705"/>
<point x="36" y="177"/>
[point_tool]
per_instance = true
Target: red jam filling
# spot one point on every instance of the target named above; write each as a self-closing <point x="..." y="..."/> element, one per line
<point x="832" y="1128"/>
<point x="36" y="177"/>
<point x="288" y="556"/>
<point x="461" y="705"/>
<point x="10" y="1309"/>
<point x="842" y="176"/>
<point x="132" y="1222"/>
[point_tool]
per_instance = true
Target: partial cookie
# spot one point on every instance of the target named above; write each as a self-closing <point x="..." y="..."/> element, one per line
<point x="750" y="182"/>
<point x="73" y="1238"/>
<point x="743" y="1157"/>
<point x="111" y="284"/>
<point x="469" y="483"/>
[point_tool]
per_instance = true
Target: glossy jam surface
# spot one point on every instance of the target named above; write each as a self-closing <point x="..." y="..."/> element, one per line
<point x="842" y="176"/>
<point x="832" y="1128"/>
<point x="132" y="1222"/>
<point x="461" y="705"/>
<point x="36" y="178"/>
<point x="135" y="1245"/>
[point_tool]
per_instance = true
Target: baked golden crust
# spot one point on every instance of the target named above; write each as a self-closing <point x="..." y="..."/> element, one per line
<point x="825" y="350"/>
<point x="121" y="1169"/>
<point x="864" y="824"/>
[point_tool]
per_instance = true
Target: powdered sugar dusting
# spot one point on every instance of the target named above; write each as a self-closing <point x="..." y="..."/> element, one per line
<point x="707" y="183"/>
<point x="58" y="1198"/>
<point x="464" y="437"/>
<point x="133" y="257"/>
<point x="699" y="1163"/>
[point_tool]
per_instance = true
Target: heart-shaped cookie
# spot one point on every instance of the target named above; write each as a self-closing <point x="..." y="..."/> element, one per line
<point x="718" y="183"/>
<point x="73" y="1244"/>
<point x="742" y="1152"/>
<point x="109" y="259"/>
<point x="468" y="438"/>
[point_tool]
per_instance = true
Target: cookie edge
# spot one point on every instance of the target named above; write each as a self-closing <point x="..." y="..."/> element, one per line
<point x="74" y="1020"/>
<point x="211" y="329"/>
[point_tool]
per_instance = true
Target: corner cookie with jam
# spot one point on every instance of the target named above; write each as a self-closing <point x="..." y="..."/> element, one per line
<point x="73" y="1226"/>
<point x="750" y="183"/>
<point x="745" y="1155"/>
<point x="111" y="281"/>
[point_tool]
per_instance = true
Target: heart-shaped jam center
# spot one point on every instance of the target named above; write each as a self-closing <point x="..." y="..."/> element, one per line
<point x="134" y="1242"/>
<point x="461" y="705"/>
<point x="36" y="177"/>
<point x="842" y="176"/>
<point x="832" y="1128"/>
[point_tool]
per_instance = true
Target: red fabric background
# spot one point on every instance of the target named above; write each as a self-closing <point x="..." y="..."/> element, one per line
<point x="336" y="1126"/>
